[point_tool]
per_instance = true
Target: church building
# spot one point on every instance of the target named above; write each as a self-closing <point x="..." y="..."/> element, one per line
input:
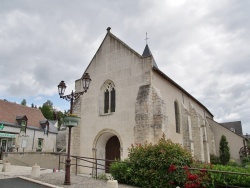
<point x="131" y="101"/>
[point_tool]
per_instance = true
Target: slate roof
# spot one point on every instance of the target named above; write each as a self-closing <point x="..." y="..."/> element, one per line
<point x="10" y="111"/>
<point x="147" y="53"/>
<point x="236" y="125"/>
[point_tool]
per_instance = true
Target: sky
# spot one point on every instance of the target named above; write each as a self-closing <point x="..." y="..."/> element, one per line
<point x="203" y="45"/>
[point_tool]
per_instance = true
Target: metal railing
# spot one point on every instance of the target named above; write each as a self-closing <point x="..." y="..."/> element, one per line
<point x="96" y="165"/>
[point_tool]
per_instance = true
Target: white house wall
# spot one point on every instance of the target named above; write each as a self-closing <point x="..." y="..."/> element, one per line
<point x="49" y="141"/>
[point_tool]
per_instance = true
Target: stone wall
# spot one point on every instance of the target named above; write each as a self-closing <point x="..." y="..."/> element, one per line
<point x="210" y="138"/>
<point x="186" y="129"/>
<point x="197" y="134"/>
<point x="43" y="159"/>
<point x="150" y="115"/>
<point x="235" y="142"/>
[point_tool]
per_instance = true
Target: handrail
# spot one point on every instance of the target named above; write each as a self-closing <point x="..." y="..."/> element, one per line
<point x="98" y="166"/>
<point x="218" y="171"/>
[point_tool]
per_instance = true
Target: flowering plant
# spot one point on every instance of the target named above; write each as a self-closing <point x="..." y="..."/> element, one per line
<point x="72" y="115"/>
<point x="196" y="179"/>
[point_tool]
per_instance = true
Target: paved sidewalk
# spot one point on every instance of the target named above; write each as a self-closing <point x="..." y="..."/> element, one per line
<point x="55" y="179"/>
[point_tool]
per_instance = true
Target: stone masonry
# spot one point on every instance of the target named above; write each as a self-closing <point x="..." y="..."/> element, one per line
<point x="150" y="115"/>
<point x="197" y="135"/>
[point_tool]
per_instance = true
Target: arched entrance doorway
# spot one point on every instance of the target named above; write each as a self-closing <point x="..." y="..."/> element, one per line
<point x="112" y="151"/>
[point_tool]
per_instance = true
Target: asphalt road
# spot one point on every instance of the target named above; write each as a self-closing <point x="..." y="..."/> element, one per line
<point x="19" y="183"/>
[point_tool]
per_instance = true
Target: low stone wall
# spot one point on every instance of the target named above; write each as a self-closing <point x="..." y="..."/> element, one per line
<point x="48" y="160"/>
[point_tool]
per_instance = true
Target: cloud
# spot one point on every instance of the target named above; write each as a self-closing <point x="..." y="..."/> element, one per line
<point x="202" y="45"/>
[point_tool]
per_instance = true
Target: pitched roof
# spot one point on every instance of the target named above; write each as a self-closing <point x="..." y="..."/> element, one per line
<point x="235" y="125"/>
<point x="10" y="111"/>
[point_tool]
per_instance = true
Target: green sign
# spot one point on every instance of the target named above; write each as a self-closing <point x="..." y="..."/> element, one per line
<point x="1" y="127"/>
<point x="7" y="135"/>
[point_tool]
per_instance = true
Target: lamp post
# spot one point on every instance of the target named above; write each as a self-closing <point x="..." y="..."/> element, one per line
<point x="72" y="97"/>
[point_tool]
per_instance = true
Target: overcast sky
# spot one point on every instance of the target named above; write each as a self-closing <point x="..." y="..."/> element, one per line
<point x="202" y="45"/>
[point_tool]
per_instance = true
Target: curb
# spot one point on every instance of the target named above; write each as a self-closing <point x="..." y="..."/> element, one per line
<point x="38" y="182"/>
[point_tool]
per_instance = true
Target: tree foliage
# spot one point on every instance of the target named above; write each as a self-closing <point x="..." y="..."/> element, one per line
<point x="47" y="110"/>
<point x="224" y="150"/>
<point x="24" y="103"/>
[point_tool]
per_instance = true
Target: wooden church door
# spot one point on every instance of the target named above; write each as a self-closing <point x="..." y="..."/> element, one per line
<point x="112" y="151"/>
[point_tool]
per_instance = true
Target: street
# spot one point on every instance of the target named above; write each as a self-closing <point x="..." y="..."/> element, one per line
<point x="20" y="183"/>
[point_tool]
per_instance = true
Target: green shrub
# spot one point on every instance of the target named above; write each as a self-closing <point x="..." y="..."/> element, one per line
<point x="245" y="161"/>
<point x="230" y="179"/>
<point x="233" y="163"/>
<point x="156" y="165"/>
<point x="214" y="159"/>
<point x="120" y="171"/>
<point x="102" y="177"/>
<point x="224" y="150"/>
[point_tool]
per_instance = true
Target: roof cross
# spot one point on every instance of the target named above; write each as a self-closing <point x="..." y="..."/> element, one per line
<point x="146" y="38"/>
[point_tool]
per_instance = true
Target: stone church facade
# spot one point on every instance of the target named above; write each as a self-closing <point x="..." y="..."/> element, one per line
<point x="131" y="101"/>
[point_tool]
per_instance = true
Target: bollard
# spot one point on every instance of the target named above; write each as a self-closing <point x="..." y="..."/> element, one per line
<point x="112" y="184"/>
<point x="35" y="172"/>
<point x="6" y="167"/>
<point x="55" y="170"/>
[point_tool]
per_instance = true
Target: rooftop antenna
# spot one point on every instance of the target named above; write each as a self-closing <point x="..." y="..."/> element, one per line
<point x="146" y="38"/>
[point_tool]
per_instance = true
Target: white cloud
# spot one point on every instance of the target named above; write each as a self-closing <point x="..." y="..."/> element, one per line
<point x="202" y="45"/>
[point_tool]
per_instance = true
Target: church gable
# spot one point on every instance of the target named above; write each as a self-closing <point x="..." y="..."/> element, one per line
<point x="113" y="55"/>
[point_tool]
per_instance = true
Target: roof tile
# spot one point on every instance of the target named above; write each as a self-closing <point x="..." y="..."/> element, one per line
<point x="9" y="112"/>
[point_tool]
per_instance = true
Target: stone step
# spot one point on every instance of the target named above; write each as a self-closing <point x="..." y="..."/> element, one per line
<point x="1" y="161"/>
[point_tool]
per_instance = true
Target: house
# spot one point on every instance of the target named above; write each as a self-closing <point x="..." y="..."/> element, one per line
<point x="24" y="128"/>
<point x="131" y="101"/>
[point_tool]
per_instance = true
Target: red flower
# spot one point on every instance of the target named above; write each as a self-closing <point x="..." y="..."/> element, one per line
<point x="192" y="177"/>
<point x="190" y="185"/>
<point x="185" y="168"/>
<point x="172" y="168"/>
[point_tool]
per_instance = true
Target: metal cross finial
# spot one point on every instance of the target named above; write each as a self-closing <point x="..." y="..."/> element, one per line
<point x="146" y="38"/>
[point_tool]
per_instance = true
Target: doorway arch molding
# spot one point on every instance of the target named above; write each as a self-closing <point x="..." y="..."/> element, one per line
<point x="101" y="139"/>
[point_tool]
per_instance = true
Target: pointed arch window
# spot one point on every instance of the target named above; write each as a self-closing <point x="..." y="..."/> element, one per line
<point x="177" y="117"/>
<point x="108" y="98"/>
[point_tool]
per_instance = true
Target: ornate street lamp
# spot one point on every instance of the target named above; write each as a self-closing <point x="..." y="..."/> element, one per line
<point x="72" y="97"/>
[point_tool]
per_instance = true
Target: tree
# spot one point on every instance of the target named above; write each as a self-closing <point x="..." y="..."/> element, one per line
<point x="47" y="110"/>
<point x="59" y="117"/>
<point x="224" y="150"/>
<point x="24" y="103"/>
